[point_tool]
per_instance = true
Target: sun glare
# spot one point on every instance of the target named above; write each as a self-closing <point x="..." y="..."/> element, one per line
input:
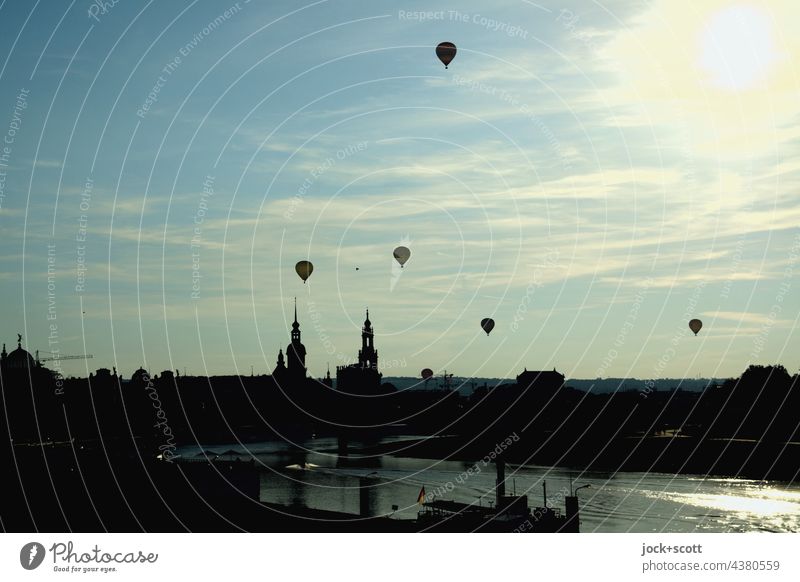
<point x="737" y="47"/>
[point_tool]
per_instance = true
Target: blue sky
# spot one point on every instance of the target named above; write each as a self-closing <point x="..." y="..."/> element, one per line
<point x="589" y="175"/>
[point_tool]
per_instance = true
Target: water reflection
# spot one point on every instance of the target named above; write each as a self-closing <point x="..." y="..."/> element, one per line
<point x="314" y="475"/>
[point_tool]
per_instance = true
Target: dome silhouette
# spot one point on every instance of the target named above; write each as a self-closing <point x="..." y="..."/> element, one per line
<point x="18" y="359"/>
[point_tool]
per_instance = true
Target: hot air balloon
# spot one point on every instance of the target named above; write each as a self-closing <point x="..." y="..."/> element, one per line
<point x="446" y="52"/>
<point x="487" y="325"/>
<point x="402" y="254"/>
<point x="426" y="373"/>
<point x="695" y="325"/>
<point x="304" y="269"/>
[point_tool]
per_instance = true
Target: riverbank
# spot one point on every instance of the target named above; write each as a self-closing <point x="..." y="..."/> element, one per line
<point x="673" y="454"/>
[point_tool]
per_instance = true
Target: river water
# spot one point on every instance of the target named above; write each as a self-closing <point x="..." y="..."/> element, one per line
<point x="620" y="502"/>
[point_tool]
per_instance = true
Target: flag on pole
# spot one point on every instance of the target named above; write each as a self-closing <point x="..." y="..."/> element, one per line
<point x="421" y="496"/>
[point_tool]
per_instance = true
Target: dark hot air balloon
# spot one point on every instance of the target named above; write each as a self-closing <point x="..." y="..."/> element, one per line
<point x="487" y="325"/>
<point x="695" y="325"/>
<point x="304" y="269"/>
<point x="426" y="373"/>
<point x="446" y="52"/>
<point x="402" y="254"/>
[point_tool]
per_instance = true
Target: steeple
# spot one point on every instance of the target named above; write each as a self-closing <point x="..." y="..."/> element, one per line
<point x="363" y="376"/>
<point x="367" y="355"/>
<point x="295" y="325"/>
<point x="280" y="367"/>
<point x="327" y="380"/>
<point x="296" y="351"/>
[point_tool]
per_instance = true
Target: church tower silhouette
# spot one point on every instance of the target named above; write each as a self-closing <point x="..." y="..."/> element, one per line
<point x="361" y="377"/>
<point x="368" y="355"/>
<point x="296" y="352"/>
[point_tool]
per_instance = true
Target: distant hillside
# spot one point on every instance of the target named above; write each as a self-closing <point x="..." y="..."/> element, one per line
<point x="605" y="385"/>
<point x="464" y="385"/>
<point x="597" y="386"/>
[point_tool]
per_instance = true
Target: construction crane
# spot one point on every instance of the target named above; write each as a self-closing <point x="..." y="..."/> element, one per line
<point x="57" y="358"/>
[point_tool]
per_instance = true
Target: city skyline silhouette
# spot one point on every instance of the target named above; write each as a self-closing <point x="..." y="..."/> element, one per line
<point x="167" y="207"/>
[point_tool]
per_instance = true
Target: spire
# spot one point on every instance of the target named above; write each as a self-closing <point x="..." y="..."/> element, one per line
<point x="295" y="327"/>
<point x="4" y="354"/>
<point x="367" y="355"/>
<point x="280" y="358"/>
<point x="295" y="324"/>
<point x="328" y="377"/>
<point x="296" y="351"/>
<point x="19" y="340"/>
